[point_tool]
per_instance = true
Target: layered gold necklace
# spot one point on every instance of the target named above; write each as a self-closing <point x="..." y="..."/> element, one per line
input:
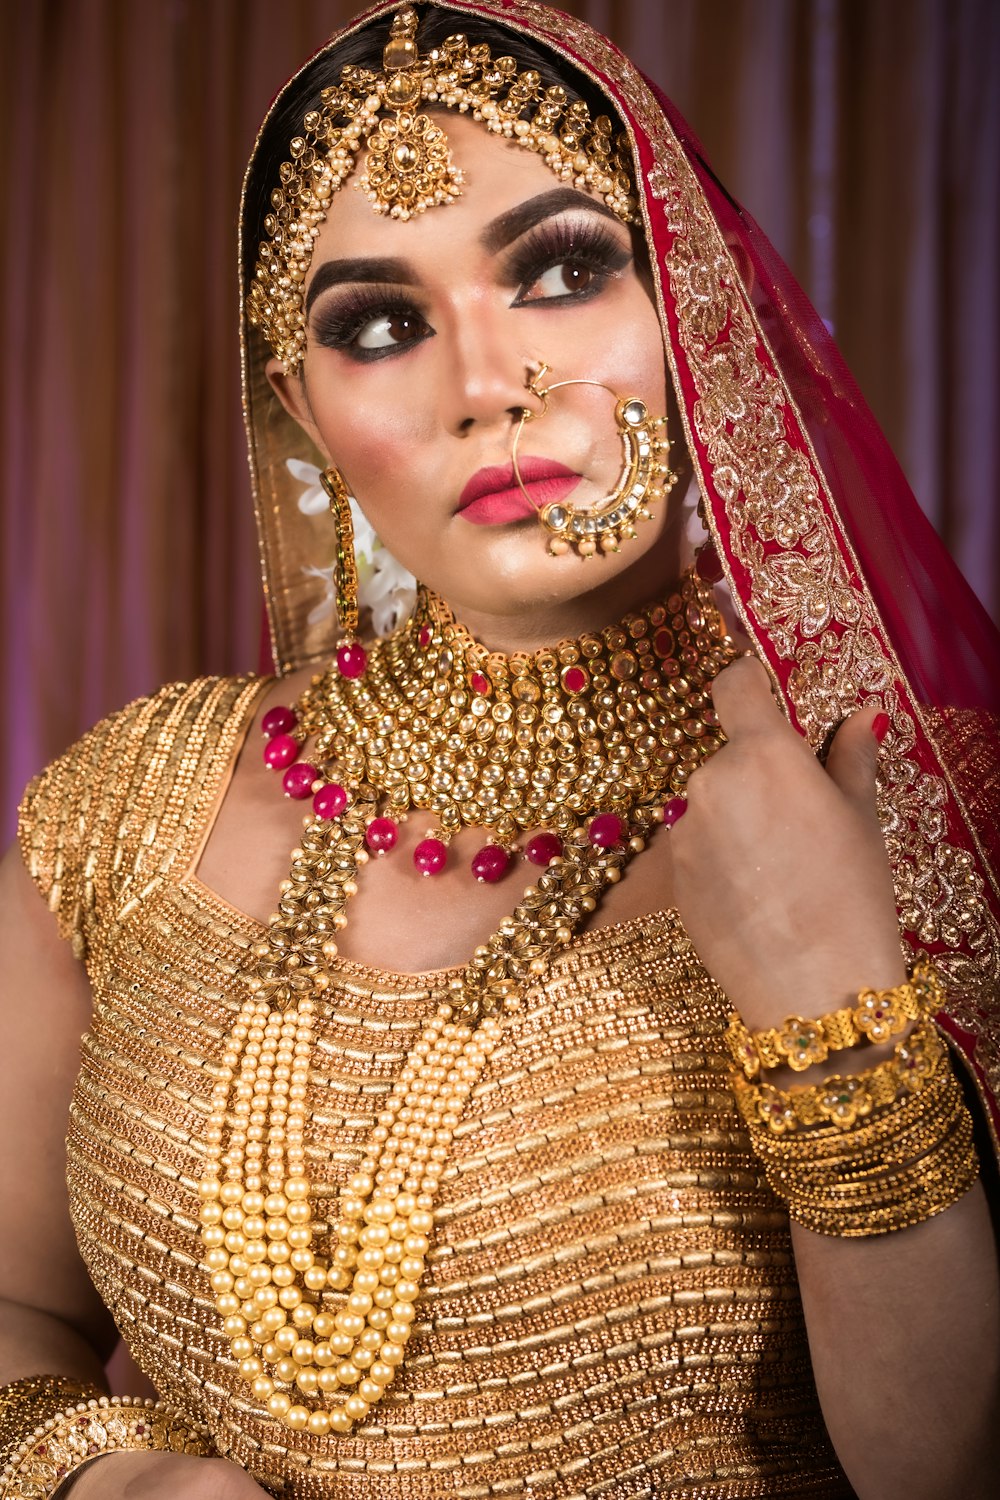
<point x="582" y="743"/>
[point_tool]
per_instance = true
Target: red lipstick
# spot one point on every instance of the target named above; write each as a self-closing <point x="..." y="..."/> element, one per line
<point x="492" y="496"/>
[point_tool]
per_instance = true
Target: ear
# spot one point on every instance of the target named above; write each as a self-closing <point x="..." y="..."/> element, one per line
<point x="291" y="392"/>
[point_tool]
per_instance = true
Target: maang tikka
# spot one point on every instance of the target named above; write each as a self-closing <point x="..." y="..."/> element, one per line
<point x="646" y="475"/>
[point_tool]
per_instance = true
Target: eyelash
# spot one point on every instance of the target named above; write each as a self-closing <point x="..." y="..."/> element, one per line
<point x="588" y="245"/>
<point x="560" y="241"/>
<point x="339" y="325"/>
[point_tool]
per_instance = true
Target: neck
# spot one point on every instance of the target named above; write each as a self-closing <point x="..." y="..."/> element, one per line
<point x="543" y="621"/>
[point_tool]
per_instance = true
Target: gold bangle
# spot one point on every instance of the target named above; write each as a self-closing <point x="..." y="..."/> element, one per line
<point x="912" y="1161"/>
<point x="42" y="1447"/>
<point x="800" y="1042"/>
<point x="842" y="1101"/>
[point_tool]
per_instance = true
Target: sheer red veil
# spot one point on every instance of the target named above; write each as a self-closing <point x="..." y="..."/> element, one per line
<point x="840" y="581"/>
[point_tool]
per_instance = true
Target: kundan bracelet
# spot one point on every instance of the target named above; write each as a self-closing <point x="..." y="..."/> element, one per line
<point x="841" y="1101"/>
<point x="800" y="1043"/>
<point x="50" y="1426"/>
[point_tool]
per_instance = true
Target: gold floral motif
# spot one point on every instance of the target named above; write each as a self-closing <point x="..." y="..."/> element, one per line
<point x="802" y="1043"/>
<point x="846" y="1101"/>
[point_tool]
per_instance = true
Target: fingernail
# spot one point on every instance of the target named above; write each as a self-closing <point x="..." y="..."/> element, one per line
<point x="880" y="727"/>
<point x="674" y="811"/>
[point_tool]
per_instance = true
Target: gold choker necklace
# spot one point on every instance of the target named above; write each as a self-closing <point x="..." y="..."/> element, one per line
<point x="434" y="721"/>
<point x="606" y="726"/>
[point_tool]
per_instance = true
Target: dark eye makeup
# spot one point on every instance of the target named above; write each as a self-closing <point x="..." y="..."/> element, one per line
<point x="586" y="251"/>
<point x="560" y="261"/>
<point x="369" y="321"/>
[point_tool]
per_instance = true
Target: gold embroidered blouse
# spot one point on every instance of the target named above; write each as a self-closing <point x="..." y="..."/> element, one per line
<point x="610" y="1306"/>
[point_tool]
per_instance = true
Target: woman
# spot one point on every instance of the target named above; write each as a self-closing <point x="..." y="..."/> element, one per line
<point x="383" y="1204"/>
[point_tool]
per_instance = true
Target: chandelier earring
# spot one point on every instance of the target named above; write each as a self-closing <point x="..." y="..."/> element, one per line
<point x="645" y="476"/>
<point x="351" y="656"/>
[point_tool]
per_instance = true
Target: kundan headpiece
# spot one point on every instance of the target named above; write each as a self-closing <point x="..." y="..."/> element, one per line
<point x="410" y="166"/>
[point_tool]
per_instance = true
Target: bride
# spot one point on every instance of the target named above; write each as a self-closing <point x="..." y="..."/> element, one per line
<point x="510" y="1053"/>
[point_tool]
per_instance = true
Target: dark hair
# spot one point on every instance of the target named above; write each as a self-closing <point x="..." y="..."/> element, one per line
<point x="364" y="50"/>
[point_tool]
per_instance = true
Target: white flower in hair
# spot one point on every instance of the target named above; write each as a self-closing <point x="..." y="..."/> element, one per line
<point x="385" y="588"/>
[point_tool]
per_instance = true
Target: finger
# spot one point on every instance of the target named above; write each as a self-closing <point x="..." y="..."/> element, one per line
<point x="743" y="699"/>
<point x="853" y="759"/>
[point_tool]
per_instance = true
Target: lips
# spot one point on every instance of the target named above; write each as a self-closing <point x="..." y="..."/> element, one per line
<point x="492" y="496"/>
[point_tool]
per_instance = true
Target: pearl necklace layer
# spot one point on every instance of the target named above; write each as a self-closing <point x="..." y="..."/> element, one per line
<point x="318" y="1337"/>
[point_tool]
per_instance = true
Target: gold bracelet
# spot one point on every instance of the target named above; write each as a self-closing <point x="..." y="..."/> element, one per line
<point x="800" y="1043"/>
<point x="44" y="1439"/>
<point x="913" y="1160"/>
<point x="842" y="1101"/>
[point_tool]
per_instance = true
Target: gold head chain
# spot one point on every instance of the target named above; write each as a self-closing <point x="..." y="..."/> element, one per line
<point x="410" y="166"/>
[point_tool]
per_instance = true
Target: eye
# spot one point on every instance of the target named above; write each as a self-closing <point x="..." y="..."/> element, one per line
<point x="370" y="322"/>
<point x="389" y="330"/>
<point x="560" y="280"/>
<point x="565" y="260"/>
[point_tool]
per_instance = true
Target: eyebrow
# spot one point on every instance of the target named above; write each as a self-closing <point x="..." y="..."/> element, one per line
<point x="524" y="216"/>
<point x="504" y="229"/>
<point x="363" y="268"/>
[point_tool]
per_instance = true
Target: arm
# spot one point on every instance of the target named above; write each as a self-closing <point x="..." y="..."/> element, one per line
<point x="52" y="1321"/>
<point x="784" y="887"/>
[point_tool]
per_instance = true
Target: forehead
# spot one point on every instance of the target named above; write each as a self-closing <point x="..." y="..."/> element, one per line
<point x="498" y="176"/>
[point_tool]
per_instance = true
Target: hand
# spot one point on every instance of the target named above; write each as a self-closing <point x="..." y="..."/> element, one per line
<point x="161" y="1476"/>
<point x="781" y="874"/>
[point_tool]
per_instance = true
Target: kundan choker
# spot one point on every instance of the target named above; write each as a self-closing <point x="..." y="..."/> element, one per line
<point x="583" y="742"/>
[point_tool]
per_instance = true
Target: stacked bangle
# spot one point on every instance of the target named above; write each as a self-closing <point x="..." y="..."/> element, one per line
<point x="869" y="1152"/>
<point x="51" y="1426"/>
<point x="800" y="1043"/>
<point x="896" y="1169"/>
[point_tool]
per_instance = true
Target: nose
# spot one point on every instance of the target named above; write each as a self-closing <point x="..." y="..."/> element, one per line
<point x="487" y="384"/>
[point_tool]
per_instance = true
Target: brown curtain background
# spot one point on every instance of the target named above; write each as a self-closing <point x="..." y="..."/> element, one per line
<point x="863" y="134"/>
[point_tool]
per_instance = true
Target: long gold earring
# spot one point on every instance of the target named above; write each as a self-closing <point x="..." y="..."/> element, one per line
<point x="345" y="580"/>
<point x="645" y="478"/>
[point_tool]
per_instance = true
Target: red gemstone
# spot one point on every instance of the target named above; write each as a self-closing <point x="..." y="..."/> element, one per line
<point x="707" y="564"/>
<point x="490" y="864"/>
<point x="541" y="848"/>
<point x="674" y="811"/>
<point x="280" y="720"/>
<point x="479" y="683"/>
<point x="663" y="642"/>
<point x="430" y="856"/>
<point x="381" y="835"/>
<point x="280" y="752"/>
<point x="352" y="660"/>
<point x="425" y="635"/>
<point x="298" y="780"/>
<point x="330" y="801"/>
<point x="574" y="679"/>
<point x="605" y="830"/>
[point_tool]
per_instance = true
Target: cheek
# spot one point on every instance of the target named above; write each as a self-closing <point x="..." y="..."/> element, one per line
<point x="374" y="438"/>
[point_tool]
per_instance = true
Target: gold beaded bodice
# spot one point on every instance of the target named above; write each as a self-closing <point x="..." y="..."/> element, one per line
<point x="609" y="1306"/>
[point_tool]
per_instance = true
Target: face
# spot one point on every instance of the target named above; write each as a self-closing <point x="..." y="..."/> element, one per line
<point x="421" y="338"/>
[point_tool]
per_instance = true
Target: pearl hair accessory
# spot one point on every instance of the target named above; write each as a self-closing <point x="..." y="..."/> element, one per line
<point x="410" y="166"/>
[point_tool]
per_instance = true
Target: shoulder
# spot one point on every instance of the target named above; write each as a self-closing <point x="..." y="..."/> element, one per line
<point x="127" y="793"/>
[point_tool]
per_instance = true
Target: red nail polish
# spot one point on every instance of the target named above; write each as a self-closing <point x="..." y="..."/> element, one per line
<point x="880" y="727"/>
